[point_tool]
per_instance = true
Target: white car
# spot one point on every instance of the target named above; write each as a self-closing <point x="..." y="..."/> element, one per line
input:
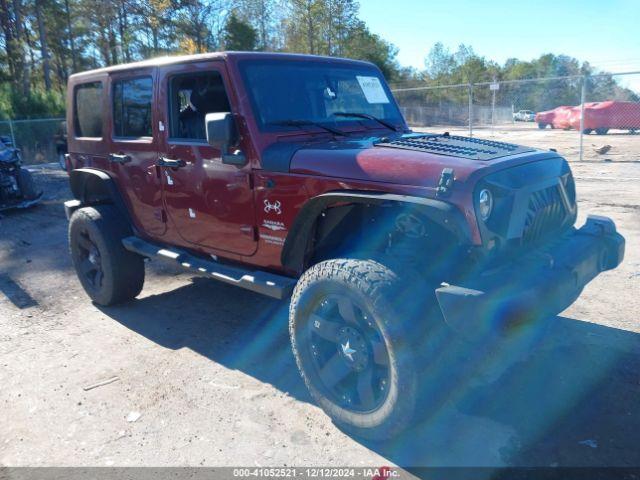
<point x="524" y="116"/>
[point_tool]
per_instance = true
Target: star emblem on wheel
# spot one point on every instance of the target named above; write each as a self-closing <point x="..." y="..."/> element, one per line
<point x="347" y="351"/>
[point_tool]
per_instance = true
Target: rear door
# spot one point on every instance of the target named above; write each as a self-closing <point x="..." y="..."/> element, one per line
<point x="87" y="144"/>
<point x="209" y="204"/>
<point x="134" y="146"/>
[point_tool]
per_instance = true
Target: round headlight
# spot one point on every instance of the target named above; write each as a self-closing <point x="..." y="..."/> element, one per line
<point x="485" y="203"/>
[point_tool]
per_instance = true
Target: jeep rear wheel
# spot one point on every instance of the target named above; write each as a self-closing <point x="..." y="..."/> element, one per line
<point x="601" y="131"/>
<point x="108" y="272"/>
<point x="542" y="126"/>
<point x="351" y="347"/>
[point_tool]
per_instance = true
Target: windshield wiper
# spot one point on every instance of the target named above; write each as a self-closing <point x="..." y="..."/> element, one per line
<point x="302" y="123"/>
<point x="367" y="116"/>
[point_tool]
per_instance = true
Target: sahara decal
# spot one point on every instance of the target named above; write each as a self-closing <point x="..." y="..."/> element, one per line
<point x="273" y="225"/>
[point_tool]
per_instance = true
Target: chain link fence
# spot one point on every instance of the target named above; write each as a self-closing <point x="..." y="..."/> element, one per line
<point x="39" y="140"/>
<point x="594" y="118"/>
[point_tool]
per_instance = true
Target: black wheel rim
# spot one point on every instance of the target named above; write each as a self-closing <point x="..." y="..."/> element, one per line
<point x="89" y="261"/>
<point x="348" y="354"/>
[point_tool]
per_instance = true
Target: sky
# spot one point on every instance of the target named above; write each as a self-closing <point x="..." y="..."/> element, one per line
<point x="606" y="33"/>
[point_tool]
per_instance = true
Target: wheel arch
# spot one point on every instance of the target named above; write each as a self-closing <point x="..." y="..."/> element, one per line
<point x="297" y="244"/>
<point x="91" y="186"/>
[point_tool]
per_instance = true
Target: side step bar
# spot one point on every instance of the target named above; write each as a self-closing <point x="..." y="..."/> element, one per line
<point x="272" y="285"/>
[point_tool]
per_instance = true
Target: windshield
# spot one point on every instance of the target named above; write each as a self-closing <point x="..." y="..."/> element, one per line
<point x="285" y="92"/>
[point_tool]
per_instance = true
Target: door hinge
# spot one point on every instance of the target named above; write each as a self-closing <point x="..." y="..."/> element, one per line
<point x="250" y="231"/>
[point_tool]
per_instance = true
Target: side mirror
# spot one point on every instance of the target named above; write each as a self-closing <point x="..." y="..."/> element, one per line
<point x="221" y="133"/>
<point x="220" y="129"/>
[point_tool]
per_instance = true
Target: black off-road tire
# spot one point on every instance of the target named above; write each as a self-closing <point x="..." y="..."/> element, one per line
<point x="542" y="126"/>
<point x="601" y="131"/>
<point x="587" y="131"/>
<point x="95" y="241"/>
<point x="26" y="184"/>
<point x="379" y="291"/>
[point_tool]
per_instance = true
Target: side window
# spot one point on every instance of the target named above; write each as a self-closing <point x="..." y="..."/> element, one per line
<point x="87" y="110"/>
<point x="191" y="97"/>
<point x="132" y="107"/>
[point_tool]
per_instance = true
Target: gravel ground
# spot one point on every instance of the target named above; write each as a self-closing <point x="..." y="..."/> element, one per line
<point x="208" y="371"/>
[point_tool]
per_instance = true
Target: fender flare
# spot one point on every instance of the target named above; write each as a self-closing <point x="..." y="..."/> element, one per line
<point x="91" y="186"/>
<point x="442" y="213"/>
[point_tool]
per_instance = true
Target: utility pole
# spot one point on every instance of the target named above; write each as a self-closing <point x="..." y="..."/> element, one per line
<point x="494" y="87"/>
<point x="582" y="99"/>
<point x="471" y="109"/>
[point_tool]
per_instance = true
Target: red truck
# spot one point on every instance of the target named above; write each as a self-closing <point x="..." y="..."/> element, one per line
<point x="293" y="175"/>
<point x="599" y="117"/>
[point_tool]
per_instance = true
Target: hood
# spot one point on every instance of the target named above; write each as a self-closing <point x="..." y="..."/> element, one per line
<point x="413" y="160"/>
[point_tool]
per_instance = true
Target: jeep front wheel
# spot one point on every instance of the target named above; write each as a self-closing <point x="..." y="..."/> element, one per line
<point x="351" y="348"/>
<point x="108" y="272"/>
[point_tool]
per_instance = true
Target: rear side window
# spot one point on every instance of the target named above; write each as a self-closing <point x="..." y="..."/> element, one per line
<point x="132" y="108"/>
<point x="87" y="110"/>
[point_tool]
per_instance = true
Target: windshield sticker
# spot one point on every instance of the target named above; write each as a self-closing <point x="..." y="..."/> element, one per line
<point x="372" y="89"/>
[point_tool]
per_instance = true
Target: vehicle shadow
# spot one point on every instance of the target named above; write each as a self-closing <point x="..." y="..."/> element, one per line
<point x="15" y="293"/>
<point x="562" y="392"/>
<point x="237" y="328"/>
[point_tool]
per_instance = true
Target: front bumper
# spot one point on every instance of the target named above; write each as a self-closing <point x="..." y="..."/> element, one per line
<point x="545" y="282"/>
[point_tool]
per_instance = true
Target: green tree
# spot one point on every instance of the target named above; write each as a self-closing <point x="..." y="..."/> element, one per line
<point x="42" y="42"/>
<point x="239" y="35"/>
<point x="263" y="16"/>
<point x="193" y="28"/>
<point x="303" y="26"/>
<point x="364" y="45"/>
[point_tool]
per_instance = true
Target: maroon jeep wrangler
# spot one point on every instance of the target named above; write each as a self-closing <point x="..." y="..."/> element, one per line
<point x="297" y="176"/>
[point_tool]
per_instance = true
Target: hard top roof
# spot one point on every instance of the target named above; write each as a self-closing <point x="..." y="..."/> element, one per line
<point x="178" y="59"/>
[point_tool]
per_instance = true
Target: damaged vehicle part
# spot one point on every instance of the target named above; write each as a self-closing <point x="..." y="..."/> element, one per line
<point x="17" y="188"/>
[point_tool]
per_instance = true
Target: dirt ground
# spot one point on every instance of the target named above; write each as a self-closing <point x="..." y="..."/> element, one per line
<point x="209" y="370"/>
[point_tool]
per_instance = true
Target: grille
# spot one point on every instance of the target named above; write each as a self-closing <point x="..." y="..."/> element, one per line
<point x="545" y="214"/>
<point x="457" y="146"/>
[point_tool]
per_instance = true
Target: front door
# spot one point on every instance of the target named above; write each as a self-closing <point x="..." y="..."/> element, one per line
<point x="209" y="204"/>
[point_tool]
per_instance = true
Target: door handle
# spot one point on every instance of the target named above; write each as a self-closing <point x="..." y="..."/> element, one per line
<point x="171" y="163"/>
<point x="115" y="158"/>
